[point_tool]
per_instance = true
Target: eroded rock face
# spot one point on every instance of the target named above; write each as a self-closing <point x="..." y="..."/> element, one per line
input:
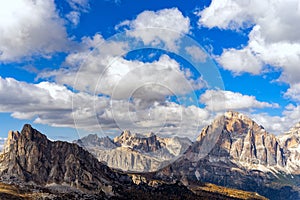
<point x="30" y="156"/>
<point x="291" y="141"/>
<point x="146" y="144"/>
<point x="235" y="151"/>
<point x="58" y="168"/>
<point x="93" y="140"/>
<point x="135" y="152"/>
<point x="243" y="140"/>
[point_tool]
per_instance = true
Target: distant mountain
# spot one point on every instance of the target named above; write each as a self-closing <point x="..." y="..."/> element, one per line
<point x="94" y="141"/>
<point x="135" y="152"/>
<point x="234" y="151"/>
<point x="33" y="167"/>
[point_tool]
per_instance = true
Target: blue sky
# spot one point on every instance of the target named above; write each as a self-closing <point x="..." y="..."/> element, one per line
<point x="74" y="67"/>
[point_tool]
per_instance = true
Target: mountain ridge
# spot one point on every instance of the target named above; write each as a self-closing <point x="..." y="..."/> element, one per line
<point x="235" y="151"/>
<point x="135" y="152"/>
<point x="34" y="167"/>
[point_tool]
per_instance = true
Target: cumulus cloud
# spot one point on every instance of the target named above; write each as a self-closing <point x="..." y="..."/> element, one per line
<point x="282" y="123"/>
<point x="82" y="69"/>
<point x="2" y="142"/>
<point x="239" y="61"/>
<point x="150" y="80"/>
<point x="55" y="105"/>
<point x="78" y="7"/>
<point x="164" y="26"/>
<point x="99" y="70"/>
<point x="197" y="54"/>
<point x="220" y="100"/>
<point x="273" y="124"/>
<point x="30" y="28"/>
<point x="293" y="92"/>
<point x="274" y="39"/>
<point x="138" y="91"/>
<point x="166" y="118"/>
<point x="73" y="17"/>
<point x="45" y="102"/>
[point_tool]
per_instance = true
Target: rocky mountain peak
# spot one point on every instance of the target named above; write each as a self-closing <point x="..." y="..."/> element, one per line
<point x="233" y="123"/>
<point x="26" y="131"/>
<point x="21" y="138"/>
<point x="295" y="130"/>
<point x="12" y="136"/>
<point x="145" y="143"/>
<point x="237" y="137"/>
<point x="92" y="140"/>
<point x="291" y="141"/>
<point x="135" y="152"/>
<point x="235" y="150"/>
<point x="32" y="134"/>
<point x="239" y="123"/>
<point x="126" y="133"/>
<point x="30" y="156"/>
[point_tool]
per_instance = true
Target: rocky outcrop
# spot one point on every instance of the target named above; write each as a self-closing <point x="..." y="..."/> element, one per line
<point x="135" y="152"/>
<point x="244" y="141"/>
<point x="234" y="151"/>
<point x="93" y="140"/>
<point x="291" y="141"/>
<point x="33" y="167"/>
<point x="148" y="143"/>
<point x="31" y="157"/>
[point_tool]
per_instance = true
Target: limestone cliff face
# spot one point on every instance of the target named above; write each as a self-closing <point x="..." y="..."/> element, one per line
<point x="235" y="151"/>
<point x="30" y="156"/>
<point x="61" y="170"/>
<point x="243" y="140"/>
<point x="291" y="141"/>
<point x="135" y="152"/>
<point x="137" y="142"/>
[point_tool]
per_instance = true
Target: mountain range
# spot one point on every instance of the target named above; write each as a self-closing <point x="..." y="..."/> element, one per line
<point x="33" y="167"/>
<point x="235" y="151"/>
<point x="232" y="152"/>
<point x="135" y="152"/>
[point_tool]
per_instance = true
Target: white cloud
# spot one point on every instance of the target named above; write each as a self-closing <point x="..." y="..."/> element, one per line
<point x="220" y="100"/>
<point x="73" y="17"/>
<point x="167" y="26"/>
<point x="276" y="17"/>
<point x="45" y="102"/>
<point x="293" y="92"/>
<point x="239" y="61"/>
<point x="55" y="105"/>
<point x="279" y="124"/>
<point x="292" y="112"/>
<point x="197" y="54"/>
<point x="78" y="6"/>
<point x="83" y="68"/>
<point x="274" y="39"/>
<point x="167" y="118"/>
<point x="2" y="142"/>
<point x="30" y="28"/>
<point x="98" y="69"/>
<point x="273" y="124"/>
<point x="149" y="80"/>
